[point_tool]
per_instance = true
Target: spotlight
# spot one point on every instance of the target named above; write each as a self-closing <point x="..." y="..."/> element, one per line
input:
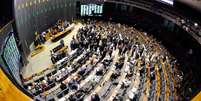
<point x="196" y="24"/>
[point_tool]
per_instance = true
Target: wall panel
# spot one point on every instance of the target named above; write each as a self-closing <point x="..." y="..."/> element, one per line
<point x="39" y="15"/>
<point x="9" y="92"/>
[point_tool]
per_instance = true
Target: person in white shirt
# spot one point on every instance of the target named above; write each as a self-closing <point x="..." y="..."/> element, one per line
<point x="126" y="70"/>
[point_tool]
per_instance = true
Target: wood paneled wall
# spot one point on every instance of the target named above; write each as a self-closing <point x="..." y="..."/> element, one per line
<point x="9" y="92"/>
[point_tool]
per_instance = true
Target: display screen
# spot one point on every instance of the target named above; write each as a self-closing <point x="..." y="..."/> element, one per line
<point x="169" y="2"/>
<point x="11" y="56"/>
<point x="91" y="10"/>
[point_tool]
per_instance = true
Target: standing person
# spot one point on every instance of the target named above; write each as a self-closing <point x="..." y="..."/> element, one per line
<point x="53" y="58"/>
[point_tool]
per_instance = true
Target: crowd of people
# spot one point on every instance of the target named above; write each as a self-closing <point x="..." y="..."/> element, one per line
<point x="137" y="56"/>
<point x="104" y="38"/>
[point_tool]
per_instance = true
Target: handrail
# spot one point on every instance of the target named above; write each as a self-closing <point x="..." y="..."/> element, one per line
<point x="10" y="22"/>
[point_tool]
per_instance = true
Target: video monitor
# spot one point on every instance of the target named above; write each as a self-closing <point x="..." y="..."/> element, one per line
<point x="91" y="9"/>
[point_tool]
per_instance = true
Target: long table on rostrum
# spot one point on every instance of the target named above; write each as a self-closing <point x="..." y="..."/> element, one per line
<point x="59" y="34"/>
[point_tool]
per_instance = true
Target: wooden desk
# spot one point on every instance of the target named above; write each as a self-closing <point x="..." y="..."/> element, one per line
<point x="47" y="36"/>
<point x="158" y="85"/>
<point x="63" y="49"/>
<point x="167" y="90"/>
<point x="37" y="50"/>
<point x="148" y="83"/>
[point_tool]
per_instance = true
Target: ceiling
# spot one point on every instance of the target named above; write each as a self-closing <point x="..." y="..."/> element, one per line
<point x="193" y="3"/>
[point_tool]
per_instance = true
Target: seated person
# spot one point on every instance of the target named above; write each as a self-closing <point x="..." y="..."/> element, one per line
<point x="107" y="62"/>
<point x="78" y="78"/>
<point x="95" y="97"/>
<point x="82" y="71"/>
<point x="73" y="84"/>
<point x="125" y="83"/>
<point x="69" y="69"/>
<point x="54" y="30"/>
<point x="38" y="89"/>
<point x="49" y="80"/>
<point x="61" y="28"/>
<point x="132" y="61"/>
<point x="119" y="65"/>
<point x="108" y="57"/>
<point x="99" y="72"/>
<point x="58" y="77"/>
<point x="115" y="75"/>
<point x="63" y="71"/>
<point x="44" y="84"/>
<point x="63" y="86"/>
<point x="66" y="24"/>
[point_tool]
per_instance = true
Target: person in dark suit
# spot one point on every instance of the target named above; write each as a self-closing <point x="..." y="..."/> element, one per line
<point x="95" y="97"/>
<point x="63" y="86"/>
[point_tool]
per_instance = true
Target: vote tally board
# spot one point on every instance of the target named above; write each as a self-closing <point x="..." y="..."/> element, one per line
<point x="12" y="56"/>
<point x="91" y="9"/>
